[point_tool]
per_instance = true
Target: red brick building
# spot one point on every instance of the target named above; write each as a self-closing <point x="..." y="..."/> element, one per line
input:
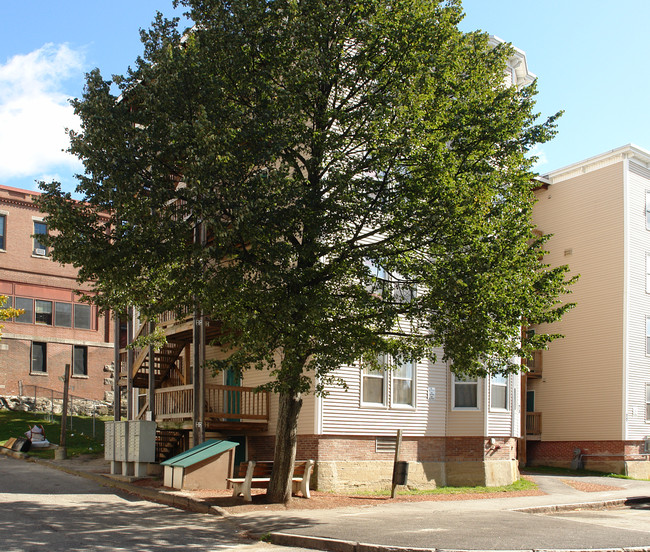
<point x="57" y="328"/>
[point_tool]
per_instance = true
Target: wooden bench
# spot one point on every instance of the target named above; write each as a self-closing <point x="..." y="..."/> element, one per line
<point x="258" y="474"/>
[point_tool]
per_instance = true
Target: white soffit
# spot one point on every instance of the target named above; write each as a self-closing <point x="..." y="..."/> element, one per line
<point x="629" y="151"/>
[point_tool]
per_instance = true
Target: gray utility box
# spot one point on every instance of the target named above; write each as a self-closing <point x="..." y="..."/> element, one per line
<point x="130" y="446"/>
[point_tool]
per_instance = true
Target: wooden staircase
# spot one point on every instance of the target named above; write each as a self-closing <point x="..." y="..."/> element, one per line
<point x="169" y="443"/>
<point x="163" y="364"/>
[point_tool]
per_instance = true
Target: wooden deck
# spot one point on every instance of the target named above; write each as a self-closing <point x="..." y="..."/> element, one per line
<point x="226" y="407"/>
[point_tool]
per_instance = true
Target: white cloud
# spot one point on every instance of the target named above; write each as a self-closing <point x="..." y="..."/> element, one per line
<point x="34" y="112"/>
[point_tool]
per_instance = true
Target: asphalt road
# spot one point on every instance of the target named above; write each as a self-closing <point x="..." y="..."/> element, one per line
<point x="46" y="510"/>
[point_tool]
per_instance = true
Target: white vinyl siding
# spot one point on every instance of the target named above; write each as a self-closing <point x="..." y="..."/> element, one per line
<point x="343" y="413"/>
<point x="637" y="366"/>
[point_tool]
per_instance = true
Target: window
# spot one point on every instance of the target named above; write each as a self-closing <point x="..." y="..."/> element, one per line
<point x="389" y="285"/>
<point x="7" y="304"/>
<point x="403" y="383"/>
<point x="40" y="229"/>
<point x="28" y="306"/>
<point x="465" y="395"/>
<point x="43" y="312"/>
<point x="374" y="383"/>
<point x="82" y="317"/>
<point x="647" y="402"/>
<point x="499" y="392"/>
<point x="39" y="357"/>
<point x="3" y="232"/>
<point x="63" y="315"/>
<point x="79" y="361"/>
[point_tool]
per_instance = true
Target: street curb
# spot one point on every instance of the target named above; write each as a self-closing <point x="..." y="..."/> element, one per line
<point x="335" y="545"/>
<point x="599" y="505"/>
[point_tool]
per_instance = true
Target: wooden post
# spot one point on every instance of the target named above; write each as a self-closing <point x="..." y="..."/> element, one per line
<point x="117" y="399"/>
<point x="198" y="350"/>
<point x="151" y="392"/>
<point x="198" y="429"/>
<point x="398" y="445"/>
<point x="129" y="365"/>
<point x="62" y="451"/>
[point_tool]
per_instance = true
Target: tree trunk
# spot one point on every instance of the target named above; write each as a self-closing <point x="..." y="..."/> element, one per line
<point x="285" y="447"/>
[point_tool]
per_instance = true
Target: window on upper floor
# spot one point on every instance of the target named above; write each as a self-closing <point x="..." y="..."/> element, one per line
<point x="375" y="382"/>
<point x="465" y="395"/>
<point x="403" y="383"/>
<point x="3" y="232"/>
<point x="82" y="317"/>
<point x="63" y="314"/>
<point x="40" y="229"/>
<point x="39" y="357"/>
<point x="499" y="392"/>
<point x="389" y="285"/>
<point x="26" y="305"/>
<point x="38" y="311"/>
<point x="79" y="360"/>
<point x="43" y="312"/>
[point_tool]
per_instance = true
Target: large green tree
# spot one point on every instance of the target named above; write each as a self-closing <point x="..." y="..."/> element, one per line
<point x="338" y="155"/>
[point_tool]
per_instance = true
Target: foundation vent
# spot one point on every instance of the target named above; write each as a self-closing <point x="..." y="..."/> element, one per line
<point x="385" y="444"/>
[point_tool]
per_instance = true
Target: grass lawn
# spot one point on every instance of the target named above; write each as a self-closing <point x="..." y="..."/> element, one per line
<point x="84" y="437"/>
<point x="520" y="485"/>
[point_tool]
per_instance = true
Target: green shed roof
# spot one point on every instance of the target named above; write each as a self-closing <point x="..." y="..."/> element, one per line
<point x="207" y="449"/>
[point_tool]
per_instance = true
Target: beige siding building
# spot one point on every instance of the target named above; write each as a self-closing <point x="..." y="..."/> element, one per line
<point x="592" y="388"/>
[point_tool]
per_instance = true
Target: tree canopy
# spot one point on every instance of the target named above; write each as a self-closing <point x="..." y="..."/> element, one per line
<point x="331" y="180"/>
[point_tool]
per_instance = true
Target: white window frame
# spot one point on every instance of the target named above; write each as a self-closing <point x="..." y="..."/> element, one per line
<point x="454" y="383"/>
<point x="412" y="379"/>
<point x="366" y="372"/>
<point x="503" y="381"/>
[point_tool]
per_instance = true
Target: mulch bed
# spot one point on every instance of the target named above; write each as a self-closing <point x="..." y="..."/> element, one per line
<point x="322" y="500"/>
<point x="588" y="487"/>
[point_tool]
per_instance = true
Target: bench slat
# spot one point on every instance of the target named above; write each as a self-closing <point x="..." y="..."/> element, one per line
<point x="258" y="474"/>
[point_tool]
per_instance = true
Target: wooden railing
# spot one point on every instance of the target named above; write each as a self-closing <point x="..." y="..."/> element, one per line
<point x="222" y="402"/>
<point x="533" y="423"/>
<point x="173" y="403"/>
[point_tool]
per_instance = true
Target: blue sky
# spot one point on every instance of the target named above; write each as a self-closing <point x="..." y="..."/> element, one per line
<point x="590" y="58"/>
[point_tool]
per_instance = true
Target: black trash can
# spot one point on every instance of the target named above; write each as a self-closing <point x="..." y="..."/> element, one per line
<point x="401" y="473"/>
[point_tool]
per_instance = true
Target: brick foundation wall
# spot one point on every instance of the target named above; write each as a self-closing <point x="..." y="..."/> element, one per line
<point x="362" y="448"/>
<point x="560" y="453"/>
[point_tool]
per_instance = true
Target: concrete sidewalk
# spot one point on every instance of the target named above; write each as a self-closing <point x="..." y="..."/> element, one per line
<point x="576" y="513"/>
